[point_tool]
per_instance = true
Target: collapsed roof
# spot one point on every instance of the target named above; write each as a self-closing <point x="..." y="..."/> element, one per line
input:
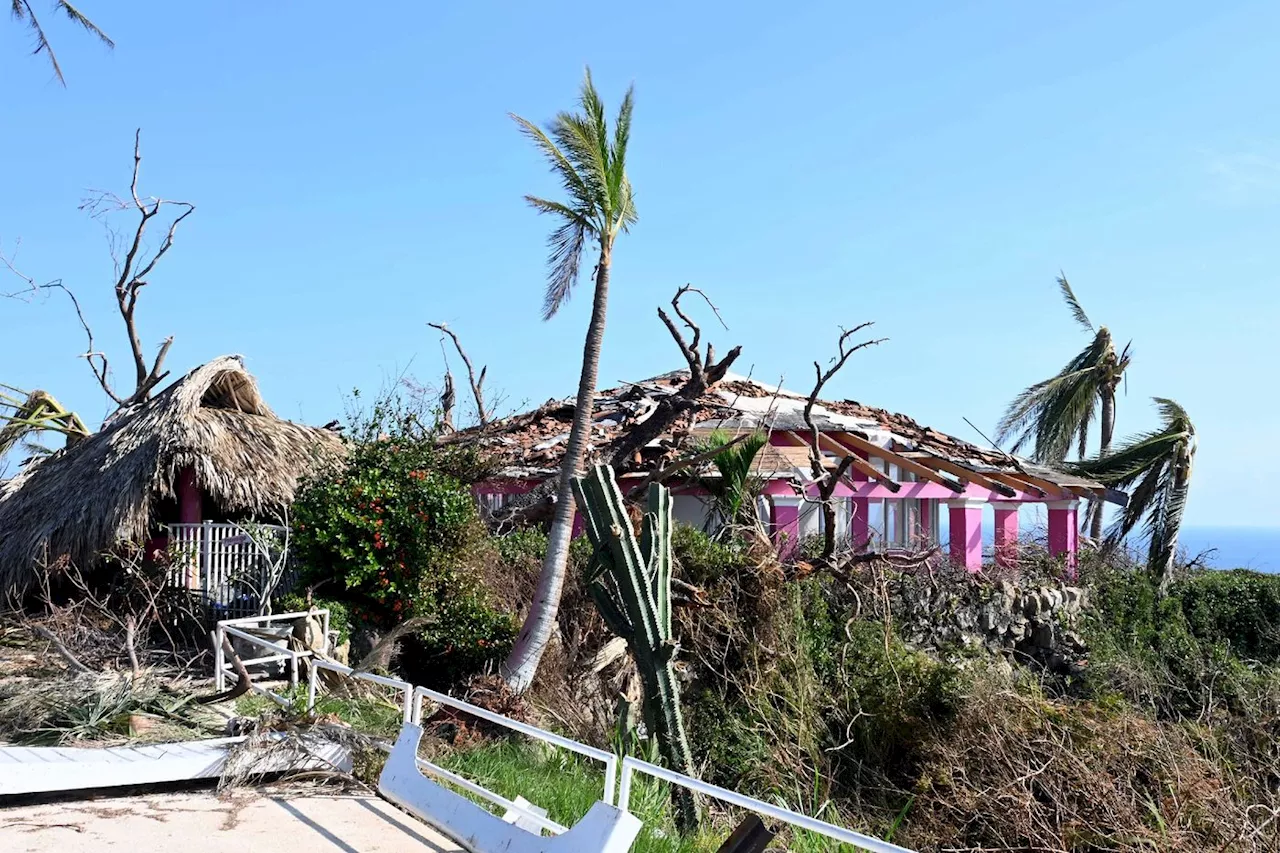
<point x="529" y="446"/>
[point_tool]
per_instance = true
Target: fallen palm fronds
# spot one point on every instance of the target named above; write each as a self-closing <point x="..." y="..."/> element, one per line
<point x="107" y="708"/>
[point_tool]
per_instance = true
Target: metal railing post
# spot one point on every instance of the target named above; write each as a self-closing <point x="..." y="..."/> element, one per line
<point x="624" y="790"/>
<point x="219" y="660"/>
<point x="610" y="779"/>
<point x="313" y="675"/>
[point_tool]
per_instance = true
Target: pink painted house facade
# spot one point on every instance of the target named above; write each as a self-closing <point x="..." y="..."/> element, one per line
<point x="905" y="485"/>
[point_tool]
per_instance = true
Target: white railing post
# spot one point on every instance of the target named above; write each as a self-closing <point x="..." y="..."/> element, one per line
<point x="313" y="675"/>
<point x="611" y="779"/>
<point x="204" y="534"/>
<point x="219" y="660"/>
<point x="624" y="790"/>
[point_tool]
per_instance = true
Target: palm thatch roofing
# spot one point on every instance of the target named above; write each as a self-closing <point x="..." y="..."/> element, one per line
<point x="81" y="501"/>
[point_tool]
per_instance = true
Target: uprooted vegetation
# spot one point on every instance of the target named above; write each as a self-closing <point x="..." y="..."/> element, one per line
<point x="943" y="710"/>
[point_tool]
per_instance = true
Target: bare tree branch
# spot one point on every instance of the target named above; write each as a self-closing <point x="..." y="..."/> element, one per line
<point x="477" y="382"/>
<point x="826" y="479"/>
<point x="60" y="648"/>
<point x="704" y="374"/>
<point x="133" y="270"/>
<point x="96" y="359"/>
<point x="448" y="398"/>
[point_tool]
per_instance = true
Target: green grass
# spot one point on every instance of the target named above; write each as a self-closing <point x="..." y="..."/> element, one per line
<point x="369" y="715"/>
<point x="566" y="786"/>
<point x="559" y="781"/>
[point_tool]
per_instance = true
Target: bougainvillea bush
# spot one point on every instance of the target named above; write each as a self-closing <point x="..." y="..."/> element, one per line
<point x="395" y="536"/>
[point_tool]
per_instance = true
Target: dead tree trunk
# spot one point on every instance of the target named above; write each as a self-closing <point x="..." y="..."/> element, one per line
<point x="827" y="479"/>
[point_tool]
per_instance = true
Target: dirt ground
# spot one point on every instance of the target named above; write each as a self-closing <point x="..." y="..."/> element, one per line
<point x="202" y="822"/>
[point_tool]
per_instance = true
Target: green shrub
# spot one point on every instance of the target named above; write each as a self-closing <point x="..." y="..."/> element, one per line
<point x="1186" y="654"/>
<point x="725" y="737"/>
<point x="395" y="537"/>
<point x="703" y="559"/>
<point x="339" y="616"/>
<point x="525" y="545"/>
<point x="1239" y="608"/>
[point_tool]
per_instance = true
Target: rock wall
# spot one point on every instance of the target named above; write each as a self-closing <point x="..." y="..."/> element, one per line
<point x="1032" y="621"/>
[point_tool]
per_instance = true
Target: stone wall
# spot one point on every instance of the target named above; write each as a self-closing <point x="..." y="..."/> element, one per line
<point x="1031" y="621"/>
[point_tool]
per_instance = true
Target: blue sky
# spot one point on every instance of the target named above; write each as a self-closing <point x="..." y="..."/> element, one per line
<point x="928" y="166"/>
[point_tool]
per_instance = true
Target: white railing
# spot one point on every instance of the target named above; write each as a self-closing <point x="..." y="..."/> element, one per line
<point x="237" y="628"/>
<point x="608" y="759"/>
<point x="233" y="567"/>
<point x="411" y="712"/>
<point x="812" y="824"/>
<point x="410" y="704"/>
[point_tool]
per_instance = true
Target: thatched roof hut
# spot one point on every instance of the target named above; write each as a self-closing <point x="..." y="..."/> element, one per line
<point x="212" y="425"/>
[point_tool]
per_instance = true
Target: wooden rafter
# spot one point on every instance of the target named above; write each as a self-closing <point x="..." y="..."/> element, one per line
<point x="861" y="464"/>
<point x="965" y="474"/>
<point x="857" y="442"/>
<point x="1026" y="484"/>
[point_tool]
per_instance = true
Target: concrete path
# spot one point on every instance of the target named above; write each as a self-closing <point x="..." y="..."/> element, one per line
<point x="204" y="823"/>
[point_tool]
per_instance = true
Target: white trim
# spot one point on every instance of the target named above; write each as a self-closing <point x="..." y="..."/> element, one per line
<point x="787" y="500"/>
<point x="1013" y="505"/>
<point x="965" y="503"/>
<point x="632" y="765"/>
<point x="1071" y="505"/>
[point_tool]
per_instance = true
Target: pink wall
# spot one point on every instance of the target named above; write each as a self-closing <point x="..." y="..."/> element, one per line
<point x="190" y="500"/>
<point x="1006" y="533"/>
<point x="1064" y="533"/>
<point x="785" y="516"/>
<point x="966" y="533"/>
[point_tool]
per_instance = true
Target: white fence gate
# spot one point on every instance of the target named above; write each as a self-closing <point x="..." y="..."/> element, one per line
<point x="232" y="567"/>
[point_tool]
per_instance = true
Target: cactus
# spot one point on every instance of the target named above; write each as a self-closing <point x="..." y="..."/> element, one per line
<point x="630" y="582"/>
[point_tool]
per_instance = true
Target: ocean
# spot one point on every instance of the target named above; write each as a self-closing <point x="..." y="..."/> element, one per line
<point x="1256" y="548"/>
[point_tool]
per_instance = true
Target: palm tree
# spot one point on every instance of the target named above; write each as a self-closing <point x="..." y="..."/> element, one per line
<point x="1159" y="463"/>
<point x="734" y="491"/>
<point x="22" y="11"/>
<point x="33" y="413"/>
<point x="590" y="164"/>
<point x="1056" y="415"/>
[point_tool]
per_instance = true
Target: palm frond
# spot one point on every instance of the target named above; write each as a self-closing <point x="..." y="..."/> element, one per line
<point x="735" y="489"/>
<point x="619" y="186"/>
<point x="592" y="170"/>
<point x="577" y="137"/>
<point x="1069" y="296"/>
<point x="22" y="11"/>
<point x="1160" y="462"/>
<point x="561" y="166"/>
<point x="37" y="412"/>
<point x="564" y="262"/>
<point x="77" y="16"/>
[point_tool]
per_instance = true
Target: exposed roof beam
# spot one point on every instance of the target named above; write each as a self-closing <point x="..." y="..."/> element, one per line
<point x="858" y="462"/>
<point x="965" y="474"/>
<point x="857" y="442"/>
<point x="1022" y="484"/>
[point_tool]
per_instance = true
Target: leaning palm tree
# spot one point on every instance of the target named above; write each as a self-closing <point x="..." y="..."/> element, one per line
<point x="22" y="11"/>
<point x="1055" y="416"/>
<point x="590" y="163"/>
<point x="1159" y="463"/>
<point x="24" y="415"/>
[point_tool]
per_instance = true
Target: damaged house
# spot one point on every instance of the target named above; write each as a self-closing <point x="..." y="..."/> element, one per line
<point x="190" y="468"/>
<point x="903" y="481"/>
